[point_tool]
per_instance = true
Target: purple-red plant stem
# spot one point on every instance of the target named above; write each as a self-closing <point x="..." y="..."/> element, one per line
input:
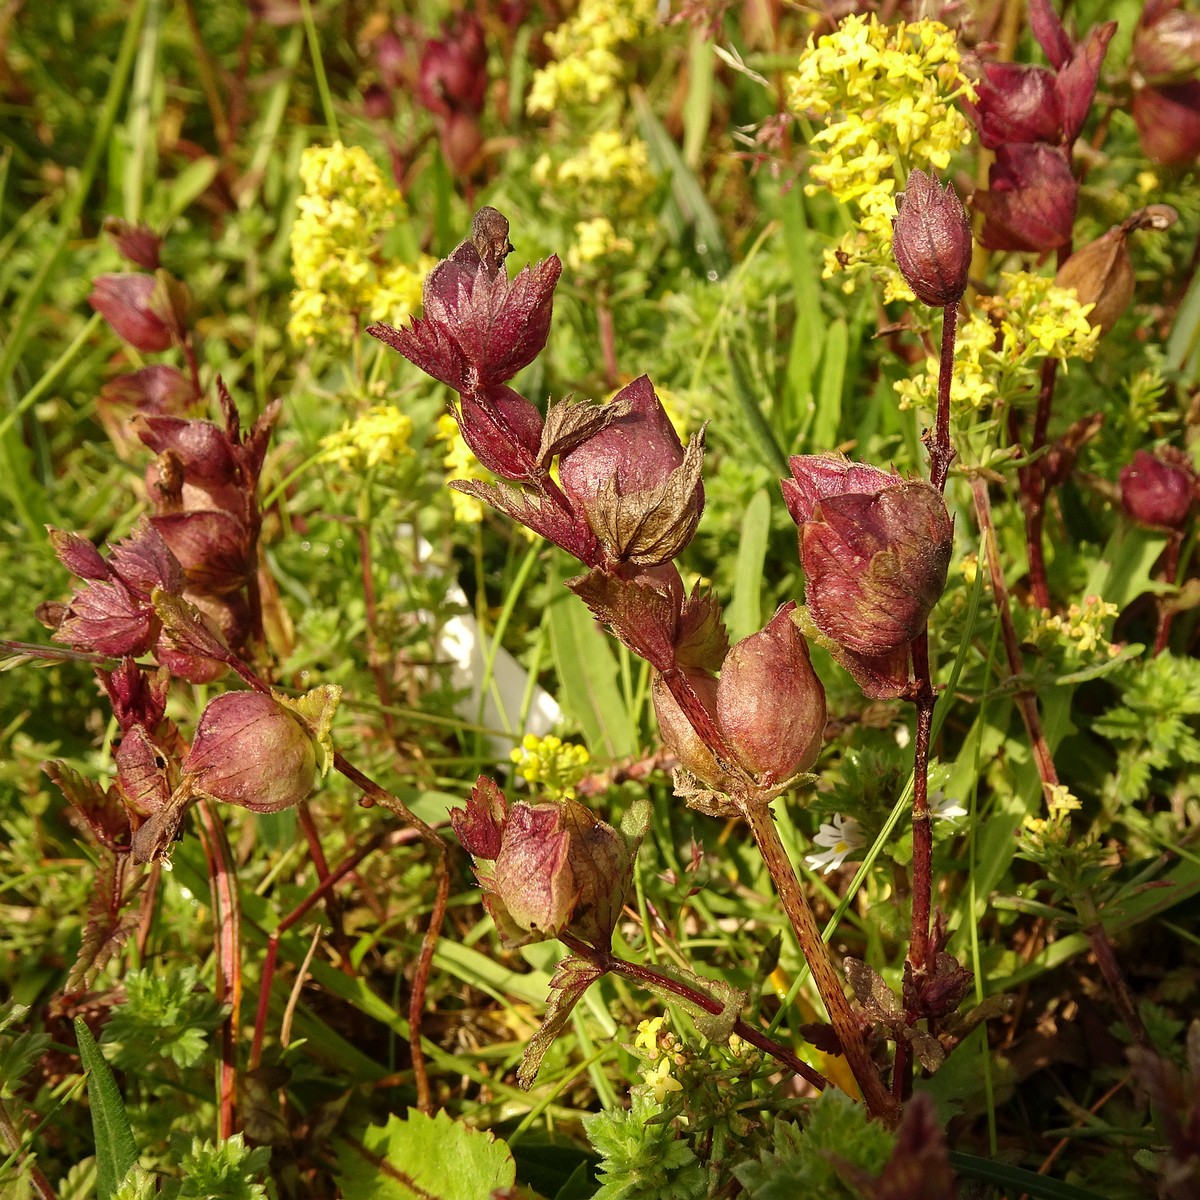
<point x="941" y="455"/>
<point x="941" y="452"/>
<point x="654" y="980"/>
<point x="1118" y="986"/>
<point x="331" y="878"/>
<point x="227" y="946"/>
<point x="845" y="1023"/>
<point x="1166" y="614"/>
<point x="146" y="916"/>
<point x="420" y="982"/>
<point x="608" y="343"/>
<point x="11" y="1139"/>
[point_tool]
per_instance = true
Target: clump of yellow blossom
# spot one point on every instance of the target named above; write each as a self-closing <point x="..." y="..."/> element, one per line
<point x="342" y="282"/>
<point x="553" y="766"/>
<point x="886" y="93"/>
<point x="612" y="173"/>
<point x="662" y="1050"/>
<point x="378" y="437"/>
<point x="1080" y="630"/>
<point x="460" y="463"/>
<point x="1001" y="344"/>
<point x="595" y="239"/>
<point x="586" y="64"/>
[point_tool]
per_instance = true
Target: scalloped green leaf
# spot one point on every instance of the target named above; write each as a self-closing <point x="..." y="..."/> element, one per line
<point x="423" y="1158"/>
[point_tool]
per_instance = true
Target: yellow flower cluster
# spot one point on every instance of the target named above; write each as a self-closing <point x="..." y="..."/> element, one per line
<point x="551" y="764"/>
<point x="1081" y="629"/>
<point x="345" y="211"/>
<point x="460" y="463"/>
<point x="660" y="1049"/>
<point x="613" y="172"/>
<point x="595" y="239"/>
<point x="378" y="437"/>
<point x="1002" y="342"/>
<point x="586" y="63"/>
<point x="887" y="94"/>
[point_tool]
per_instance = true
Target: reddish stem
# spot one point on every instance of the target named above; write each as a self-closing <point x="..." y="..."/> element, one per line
<point x="227" y="947"/>
<point x="845" y="1023"/>
<point x="653" y="980"/>
<point x="1166" y="614"/>
<point x="328" y="882"/>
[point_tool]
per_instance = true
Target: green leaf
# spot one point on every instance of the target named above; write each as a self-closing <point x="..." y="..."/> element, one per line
<point x="115" y="1149"/>
<point x="1016" y="1179"/>
<point x="316" y="709"/>
<point x="1122" y="570"/>
<point x="423" y="1158"/>
<point x="829" y="389"/>
<point x="745" y="610"/>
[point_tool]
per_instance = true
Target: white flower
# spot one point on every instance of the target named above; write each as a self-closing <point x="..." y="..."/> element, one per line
<point x="903" y="737"/>
<point x="942" y="808"/>
<point x="842" y="837"/>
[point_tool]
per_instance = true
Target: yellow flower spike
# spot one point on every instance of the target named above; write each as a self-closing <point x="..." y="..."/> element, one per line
<point x="377" y="438"/>
<point x="336" y="240"/>
<point x="887" y="93"/>
<point x="551" y="764"/>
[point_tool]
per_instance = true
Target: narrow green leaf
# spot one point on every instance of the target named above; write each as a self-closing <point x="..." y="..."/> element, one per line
<point x="690" y="207"/>
<point x="748" y="405"/>
<point x="697" y="107"/>
<point x="1017" y="1179"/>
<point x="808" y="334"/>
<point x="744" y="615"/>
<point x="115" y="1149"/>
<point x="828" y="418"/>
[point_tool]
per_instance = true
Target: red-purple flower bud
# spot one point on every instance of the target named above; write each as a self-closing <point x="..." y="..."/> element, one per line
<point x="377" y="103"/>
<point x="638" y="486"/>
<point x="1017" y="103"/>
<point x="252" y="751"/>
<point x="452" y="76"/>
<point x="1030" y="201"/>
<point x="480" y="328"/>
<point x="770" y="703"/>
<point x="503" y="429"/>
<point x="875" y="550"/>
<point x="546" y="868"/>
<point x="139" y="244"/>
<point x="1158" y="489"/>
<point x="679" y="734"/>
<point x="204" y="450"/>
<point x="1166" y="42"/>
<point x="931" y="239"/>
<point x="1168" y="122"/>
<point x="142" y="772"/>
<point x="158" y="389"/>
<point x="124" y="301"/>
<point x="213" y="548"/>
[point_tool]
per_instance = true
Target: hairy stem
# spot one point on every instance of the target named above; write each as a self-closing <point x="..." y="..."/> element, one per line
<point x="845" y="1023"/>
<point x="655" y="980"/>
<point x="227" y="946"/>
<point x="941" y="452"/>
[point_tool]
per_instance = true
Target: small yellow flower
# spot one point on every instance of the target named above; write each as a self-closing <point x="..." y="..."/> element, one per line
<point x="586" y="64"/>
<point x="460" y="463"/>
<point x="647" y="1036"/>
<point x="555" y="766"/>
<point x="344" y="213"/>
<point x="887" y="94"/>
<point x="660" y="1081"/>
<point x="378" y="437"/>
